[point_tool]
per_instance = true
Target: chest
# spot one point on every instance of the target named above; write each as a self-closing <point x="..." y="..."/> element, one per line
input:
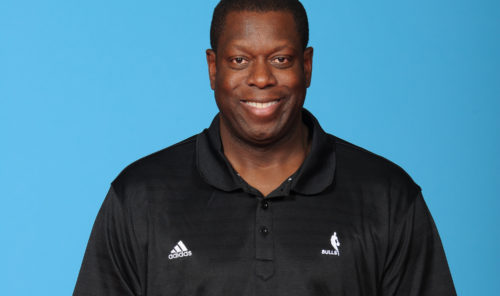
<point x="236" y="244"/>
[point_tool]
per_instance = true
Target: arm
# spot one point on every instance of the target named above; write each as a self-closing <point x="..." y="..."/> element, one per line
<point x="416" y="263"/>
<point x="111" y="262"/>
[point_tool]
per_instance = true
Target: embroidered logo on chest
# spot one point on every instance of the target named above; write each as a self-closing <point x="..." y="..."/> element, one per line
<point x="180" y="250"/>
<point x="334" y="240"/>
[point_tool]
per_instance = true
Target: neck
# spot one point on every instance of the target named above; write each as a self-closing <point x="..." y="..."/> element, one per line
<point x="265" y="167"/>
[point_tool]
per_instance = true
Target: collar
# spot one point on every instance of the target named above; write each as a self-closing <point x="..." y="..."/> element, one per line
<point x="313" y="176"/>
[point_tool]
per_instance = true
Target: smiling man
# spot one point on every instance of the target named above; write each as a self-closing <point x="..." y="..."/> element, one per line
<point x="259" y="70"/>
<point x="263" y="202"/>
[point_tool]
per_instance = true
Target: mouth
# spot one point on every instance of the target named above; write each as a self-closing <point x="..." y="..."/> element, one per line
<point x="259" y="104"/>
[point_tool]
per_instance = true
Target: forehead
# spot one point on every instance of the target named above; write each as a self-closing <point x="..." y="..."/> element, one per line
<point x="248" y="28"/>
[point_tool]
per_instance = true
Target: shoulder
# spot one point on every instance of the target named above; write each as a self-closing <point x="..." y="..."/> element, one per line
<point x="158" y="168"/>
<point x="371" y="171"/>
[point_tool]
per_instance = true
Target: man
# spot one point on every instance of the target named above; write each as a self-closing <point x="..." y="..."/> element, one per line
<point x="264" y="202"/>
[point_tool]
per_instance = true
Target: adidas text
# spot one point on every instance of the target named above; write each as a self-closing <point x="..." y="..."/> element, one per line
<point x="181" y="254"/>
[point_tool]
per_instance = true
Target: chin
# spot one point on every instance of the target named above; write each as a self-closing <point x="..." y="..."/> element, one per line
<point x="263" y="138"/>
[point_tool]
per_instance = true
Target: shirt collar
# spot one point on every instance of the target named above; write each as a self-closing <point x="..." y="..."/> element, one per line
<point x="314" y="175"/>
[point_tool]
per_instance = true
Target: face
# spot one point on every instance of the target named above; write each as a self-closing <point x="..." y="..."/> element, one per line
<point x="259" y="75"/>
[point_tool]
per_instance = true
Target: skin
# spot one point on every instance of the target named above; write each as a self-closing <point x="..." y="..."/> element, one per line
<point x="260" y="75"/>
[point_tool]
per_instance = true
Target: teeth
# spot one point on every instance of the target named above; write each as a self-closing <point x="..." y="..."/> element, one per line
<point x="261" y="105"/>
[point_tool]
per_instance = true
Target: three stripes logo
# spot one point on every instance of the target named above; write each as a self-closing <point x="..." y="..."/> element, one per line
<point x="179" y="251"/>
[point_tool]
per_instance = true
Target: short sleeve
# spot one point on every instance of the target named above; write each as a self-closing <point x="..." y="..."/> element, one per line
<point x="110" y="264"/>
<point x="416" y="263"/>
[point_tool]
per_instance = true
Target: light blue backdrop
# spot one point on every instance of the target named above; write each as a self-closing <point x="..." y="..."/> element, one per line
<point x="86" y="87"/>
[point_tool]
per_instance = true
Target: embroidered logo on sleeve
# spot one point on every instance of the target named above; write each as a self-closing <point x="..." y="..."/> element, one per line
<point x="180" y="250"/>
<point x="334" y="240"/>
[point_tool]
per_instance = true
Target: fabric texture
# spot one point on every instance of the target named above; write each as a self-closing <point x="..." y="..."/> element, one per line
<point x="182" y="222"/>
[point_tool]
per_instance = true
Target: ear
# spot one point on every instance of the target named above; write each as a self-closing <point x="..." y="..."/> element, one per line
<point x="212" y="68"/>
<point x="308" y="60"/>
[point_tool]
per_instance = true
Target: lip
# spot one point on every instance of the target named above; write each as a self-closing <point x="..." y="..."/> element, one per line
<point x="262" y="107"/>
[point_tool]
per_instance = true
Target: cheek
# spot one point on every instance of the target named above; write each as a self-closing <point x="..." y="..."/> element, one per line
<point x="293" y="79"/>
<point x="227" y="80"/>
<point x="226" y="91"/>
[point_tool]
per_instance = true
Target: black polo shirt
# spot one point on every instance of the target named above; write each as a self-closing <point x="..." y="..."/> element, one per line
<point x="182" y="222"/>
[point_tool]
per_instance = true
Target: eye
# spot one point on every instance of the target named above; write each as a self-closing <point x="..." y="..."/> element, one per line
<point x="239" y="61"/>
<point x="281" y="61"/>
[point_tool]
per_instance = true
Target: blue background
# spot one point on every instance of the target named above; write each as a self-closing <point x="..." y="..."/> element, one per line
<point x="86" y="87"/>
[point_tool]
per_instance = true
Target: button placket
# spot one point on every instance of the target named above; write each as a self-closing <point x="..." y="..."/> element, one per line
<point x="264" y="240"/>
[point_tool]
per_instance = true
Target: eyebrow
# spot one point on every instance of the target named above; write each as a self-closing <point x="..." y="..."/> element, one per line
<point x="277" y="48"/>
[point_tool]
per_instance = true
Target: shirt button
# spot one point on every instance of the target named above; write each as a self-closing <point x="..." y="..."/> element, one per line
<point x="265" y="204"/>
<point x="264" y="230"/>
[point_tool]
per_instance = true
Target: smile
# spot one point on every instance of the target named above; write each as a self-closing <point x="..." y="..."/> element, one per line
<point x="261" y="105"/>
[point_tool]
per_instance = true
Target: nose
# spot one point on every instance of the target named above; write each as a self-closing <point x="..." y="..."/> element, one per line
<point x="261" y="74"/>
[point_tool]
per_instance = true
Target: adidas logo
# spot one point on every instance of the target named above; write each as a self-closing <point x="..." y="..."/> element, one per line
<point x="179" y="251"/>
